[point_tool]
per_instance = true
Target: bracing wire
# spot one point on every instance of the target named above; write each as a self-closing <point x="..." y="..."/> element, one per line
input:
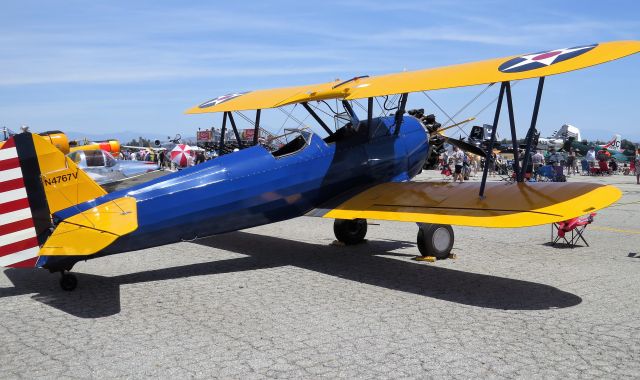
<point x="494" y="100"/>
<point x="471" y="101"/>
<point x="441" y="110"/>
<point x="384" y="114"/>
<point x="290" y="115"/>
<point x="245" y="117"/>
<point x="360" y="105"/>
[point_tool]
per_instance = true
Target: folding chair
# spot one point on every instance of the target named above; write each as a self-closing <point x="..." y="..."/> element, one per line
<point x="446" y="172"/>
<point x="558" y="174"/>
<point x="546" y="173"/>
<point x="575" y="226"/>
<point x="603" y="168"/>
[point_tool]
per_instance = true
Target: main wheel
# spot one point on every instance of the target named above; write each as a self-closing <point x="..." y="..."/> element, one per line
<point x="350" y="231"/>
<point x="435" y="240"/>
<point x="68" y="282"/>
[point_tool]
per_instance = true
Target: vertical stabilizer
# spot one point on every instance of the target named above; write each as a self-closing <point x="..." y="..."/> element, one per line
<point x="36" y="180"/>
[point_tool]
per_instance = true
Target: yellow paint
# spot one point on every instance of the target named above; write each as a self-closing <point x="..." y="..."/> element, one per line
<point x="485" y="72"/>
<point x="430" y="259"/>
<point x="611" y="229"/>
<point x="505" y="205"/>
<point x="111" y="146"/>
<point x="64" y="183"/>
<point x="59" y="140"/>
<point x="272" y="98"/>
<point x="468" y="74"/>
<point x="91" y="231"/>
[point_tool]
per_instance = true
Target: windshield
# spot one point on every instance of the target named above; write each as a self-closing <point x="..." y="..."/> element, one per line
<point x="94" y="158"/>
<point x="296" y="140"/>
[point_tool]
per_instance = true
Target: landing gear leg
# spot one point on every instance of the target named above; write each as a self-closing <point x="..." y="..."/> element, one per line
<point x="350" y="232"/>
<point x="68" y="281"/>
<point x="435" y="240"/>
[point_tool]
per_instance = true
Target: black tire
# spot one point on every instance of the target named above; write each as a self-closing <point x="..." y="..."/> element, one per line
<point x="68" y="282"/>
<point x="350" y="232"/>
<point x="435" y="240"/>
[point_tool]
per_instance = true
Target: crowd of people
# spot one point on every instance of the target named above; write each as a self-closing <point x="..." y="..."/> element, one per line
<point x="462" y="165"/>
<point x="162" y="157"/>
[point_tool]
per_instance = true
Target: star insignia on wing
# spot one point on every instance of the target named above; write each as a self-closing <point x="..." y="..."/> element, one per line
<point x="542" y="59"/>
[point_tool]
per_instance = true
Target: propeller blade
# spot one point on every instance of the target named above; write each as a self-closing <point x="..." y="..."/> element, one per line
<point x="454" y="125"/>
<point x="466" y="146"/>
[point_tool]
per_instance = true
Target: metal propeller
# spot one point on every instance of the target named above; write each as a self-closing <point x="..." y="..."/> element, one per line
<point x="437" y="134"/>
<point x="466" y="146"/>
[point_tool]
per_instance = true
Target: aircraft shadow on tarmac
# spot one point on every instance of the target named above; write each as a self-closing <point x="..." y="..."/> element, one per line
<point x="99" y="296"/>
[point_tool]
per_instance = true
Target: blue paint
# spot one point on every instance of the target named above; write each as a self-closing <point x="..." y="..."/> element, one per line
<point x="252" y="187"/>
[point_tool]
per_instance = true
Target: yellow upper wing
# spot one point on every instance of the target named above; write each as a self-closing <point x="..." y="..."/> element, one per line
<point x="468" y="74"/>
<point x="261" y="99"/>
<point x="506" y="205"/>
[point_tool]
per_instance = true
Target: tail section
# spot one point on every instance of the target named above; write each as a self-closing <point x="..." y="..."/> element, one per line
<point x="20" y="217"/>
<point x="36" y="181"/>
<point x="616" y="144"/>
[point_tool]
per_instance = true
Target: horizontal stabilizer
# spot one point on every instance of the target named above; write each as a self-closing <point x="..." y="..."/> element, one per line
<point x="504" y="206"/>
<point x="92" y="230"/>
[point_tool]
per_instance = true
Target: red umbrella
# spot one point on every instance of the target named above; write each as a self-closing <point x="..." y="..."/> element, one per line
<point x="180" y="154"/>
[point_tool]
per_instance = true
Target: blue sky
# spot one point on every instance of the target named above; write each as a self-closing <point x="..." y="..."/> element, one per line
<point x="105" y="66"/>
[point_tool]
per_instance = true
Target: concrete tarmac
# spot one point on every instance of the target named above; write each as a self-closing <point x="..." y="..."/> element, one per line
<point x="280" y="301"/>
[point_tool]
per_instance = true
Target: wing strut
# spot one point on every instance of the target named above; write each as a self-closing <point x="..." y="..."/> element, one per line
<point x="354" y="118"/>
<point x="318" y="119"/>
<point x="235" y="130"/>
<point x="532" y="129"/>
<point x="369" y="112"/>
<point x="223" y="131"/>
<point x="256" y="129"/>
<point x="488" y="159"/>
<point x="400" y="112"/>
<point x="514" y="137"/>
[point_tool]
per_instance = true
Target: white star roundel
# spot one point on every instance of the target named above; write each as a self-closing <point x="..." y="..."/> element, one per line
<point x="221" y="99"/>
<point x="543" y="59"/>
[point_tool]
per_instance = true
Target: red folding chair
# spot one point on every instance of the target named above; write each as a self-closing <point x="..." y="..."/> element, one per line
<point x="571" y="231"/>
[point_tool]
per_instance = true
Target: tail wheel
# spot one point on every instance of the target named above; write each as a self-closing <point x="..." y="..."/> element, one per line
<point x="68" y="282"/>
<point x="435" y="240"/>
<point x="350" y="231"/>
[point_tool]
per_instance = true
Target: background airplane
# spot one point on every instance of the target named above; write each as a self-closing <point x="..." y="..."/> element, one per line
<point x="613" y="147"/>
<point x="104" y="169"/>
<point x="558" y="139"/>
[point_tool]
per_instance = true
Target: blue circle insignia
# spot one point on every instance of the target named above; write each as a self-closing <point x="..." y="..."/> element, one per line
<point x="543" y="59"/>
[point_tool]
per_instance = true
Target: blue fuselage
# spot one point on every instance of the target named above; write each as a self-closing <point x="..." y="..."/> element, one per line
<point x="252" y="187"/>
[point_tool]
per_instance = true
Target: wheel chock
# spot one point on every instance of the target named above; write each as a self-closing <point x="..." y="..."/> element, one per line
<point x="452" y="256"/>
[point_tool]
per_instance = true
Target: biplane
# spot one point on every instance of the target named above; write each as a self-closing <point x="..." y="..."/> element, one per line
<point x="53" y="215"/>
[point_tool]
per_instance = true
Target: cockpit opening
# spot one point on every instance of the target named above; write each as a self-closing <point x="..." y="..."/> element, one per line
<point x="298" y="139"/>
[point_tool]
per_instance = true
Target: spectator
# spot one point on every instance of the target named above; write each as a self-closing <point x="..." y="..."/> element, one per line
<point x="458" y="160"/>
<point x="537" y="160"/>
<point x="571" y="162"/>
<point x="591" y="157"/>
<point x="554" y="158"/>
<point x="161" y="159"/>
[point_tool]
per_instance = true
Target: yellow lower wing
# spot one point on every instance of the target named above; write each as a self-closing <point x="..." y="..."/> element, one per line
<point x="91" y="231"/>
<point x="505" y="205"/>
